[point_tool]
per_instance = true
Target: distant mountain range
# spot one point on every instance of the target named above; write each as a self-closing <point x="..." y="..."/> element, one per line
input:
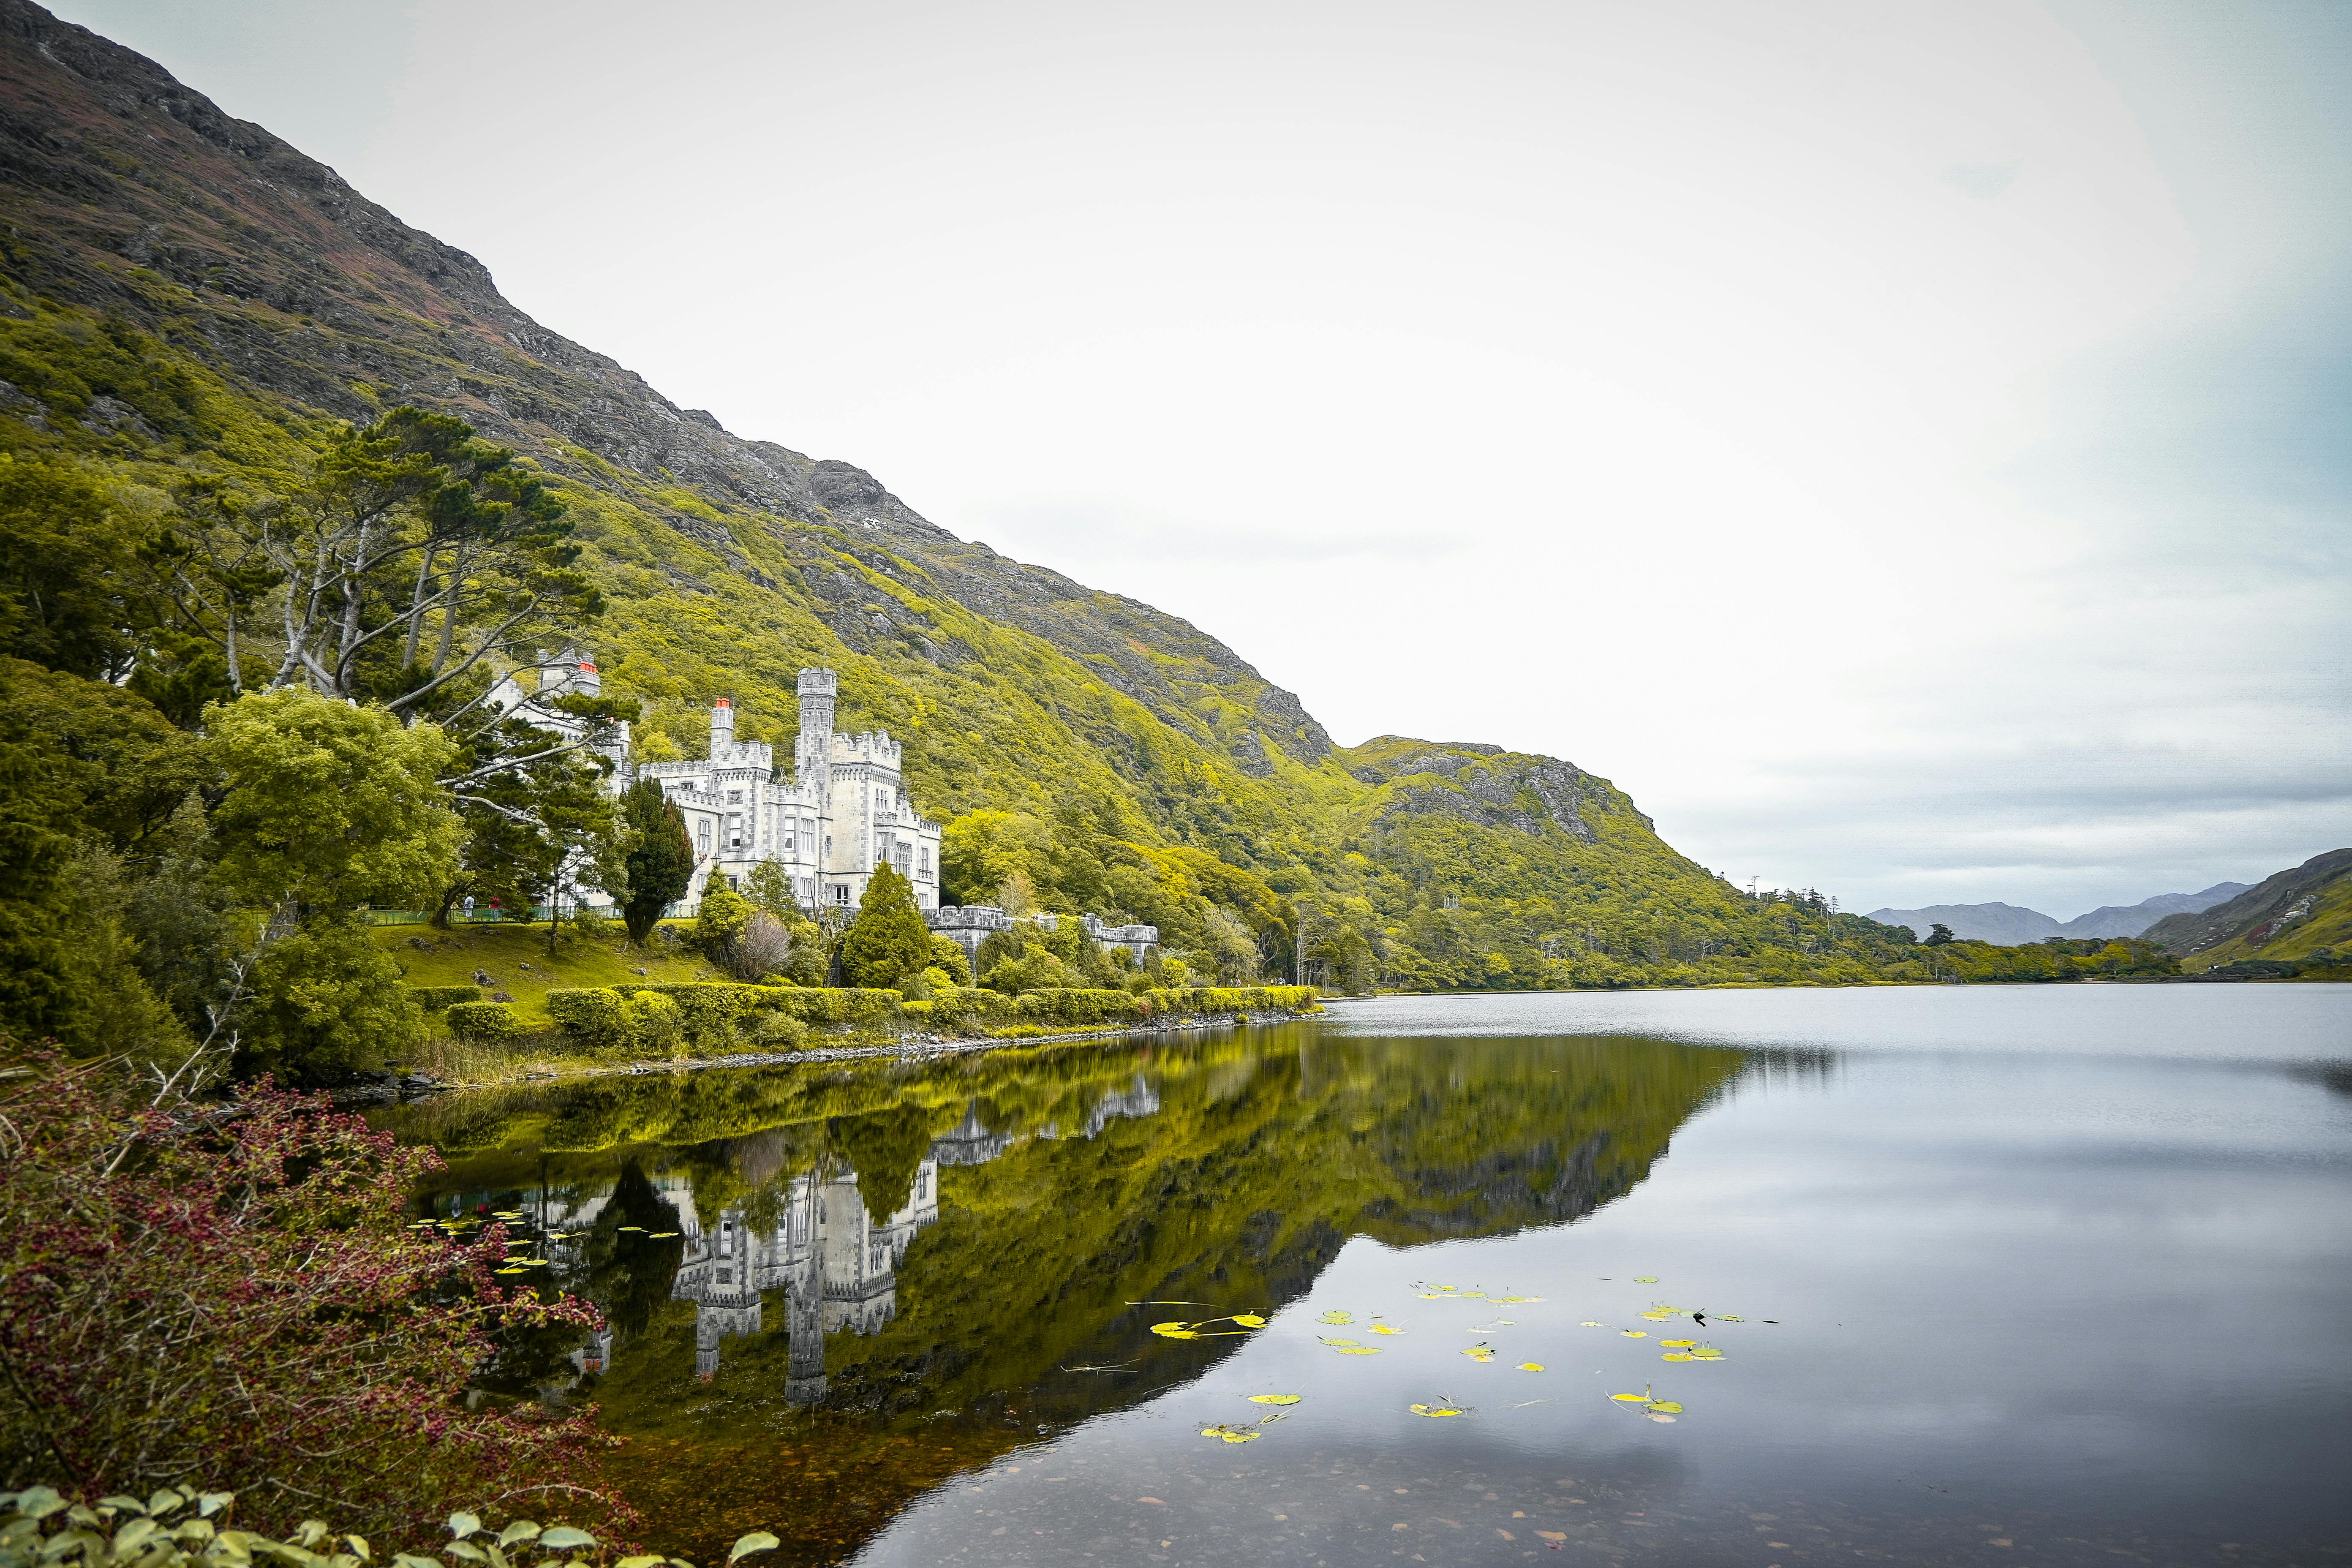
<point x="2010" y="925"/>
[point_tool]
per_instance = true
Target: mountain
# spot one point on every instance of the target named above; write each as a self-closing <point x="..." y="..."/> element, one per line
<point x="186" y="299"/>
<point x="2004" y="923"/>
<point x="2300" y="918"/>
<point x="2009" y="925"/>
<point x="2133" y="919"/>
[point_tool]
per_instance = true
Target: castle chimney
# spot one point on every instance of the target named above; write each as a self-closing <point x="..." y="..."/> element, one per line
<point x="723" y="727"/>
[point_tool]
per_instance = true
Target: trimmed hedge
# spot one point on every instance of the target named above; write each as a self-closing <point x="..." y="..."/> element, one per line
<point x="1198" y="1000"/>
<point x="485" y="1022"/>
<point x="433" y="998"/>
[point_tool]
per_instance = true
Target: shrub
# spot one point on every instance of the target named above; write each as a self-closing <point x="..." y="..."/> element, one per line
<point x="484" y="1023"/>
<point x="433" y="998"/>
<point x="180" y="1527"/>
<point x="764" y="948"/>
<point x="773" y="1031"/>
<point x="831" y="1005"/>
<point x="593" y="1017"/>
<point x="243" y="1297"/>
<point x="656" y="1024"/>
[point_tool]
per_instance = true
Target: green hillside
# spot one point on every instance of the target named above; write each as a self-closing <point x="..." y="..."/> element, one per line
<point x="191" y="311"/>
<point x="2296" y="924"/>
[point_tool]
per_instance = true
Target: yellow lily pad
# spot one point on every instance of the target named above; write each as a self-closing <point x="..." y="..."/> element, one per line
<point x="512" y="1271"/>
<point x="1357" y="1350"/>
<point x="1384" y="1329"/>
<point x="1678" y="1355"/>
<point x="1631" y="1398"/>
<point x="1336" y="1316"/>
<point x="1728" y="1318"/>
<point x="1230" y="1434"/>
<point x="1512" y="1301"/>
<point x="1530" y="1366"/>
<point x="1275" y="1398"/>
<point x="1645" y="1279"/>
<point x="1174" y="1331"/>
<point x="1434" y="1411"/>
<point x="1665" y="1407"/>
<point x="1249" y="1320"/>
<point x="1589" y="1323"/>
<point x="1328" y="1341"/>
<point x="1678" y="1344"/>
<point x="1479" y="1352"/>
<point x="1637" y="1333"/>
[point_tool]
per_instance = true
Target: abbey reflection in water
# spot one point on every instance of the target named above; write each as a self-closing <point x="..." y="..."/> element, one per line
<point x="978" y="1226"/>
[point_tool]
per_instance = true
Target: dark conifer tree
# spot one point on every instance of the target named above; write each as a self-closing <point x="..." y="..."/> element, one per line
<point x="888" y="941"/>
<point x="661" y="865"/>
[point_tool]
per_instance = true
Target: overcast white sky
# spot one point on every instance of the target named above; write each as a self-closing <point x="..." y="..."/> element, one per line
<point x="1904" y="445"/>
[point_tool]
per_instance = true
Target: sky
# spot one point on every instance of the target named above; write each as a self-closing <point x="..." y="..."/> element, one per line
<point x="1903" y="445"/>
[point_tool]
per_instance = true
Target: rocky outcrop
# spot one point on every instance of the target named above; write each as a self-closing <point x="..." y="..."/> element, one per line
<point x="1470" y="782"/>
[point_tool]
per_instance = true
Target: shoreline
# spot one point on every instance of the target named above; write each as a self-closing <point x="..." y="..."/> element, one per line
<point x="919" y="1047"/>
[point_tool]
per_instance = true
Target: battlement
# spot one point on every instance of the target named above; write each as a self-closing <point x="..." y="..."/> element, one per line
<point x="866" y="746"/>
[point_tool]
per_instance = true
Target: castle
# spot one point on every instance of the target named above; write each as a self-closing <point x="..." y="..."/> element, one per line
<point x="839" y="812"/>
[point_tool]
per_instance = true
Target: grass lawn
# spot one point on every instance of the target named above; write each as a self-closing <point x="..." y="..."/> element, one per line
<point x="515" y="958"/>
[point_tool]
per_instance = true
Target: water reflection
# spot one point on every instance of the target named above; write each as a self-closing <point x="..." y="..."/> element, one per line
<point x="826" y="1292"/>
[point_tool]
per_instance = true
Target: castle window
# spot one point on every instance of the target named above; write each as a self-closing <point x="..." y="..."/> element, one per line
<point x="702" y="838"/>
<point x="841" y="893"/>
<point x="734" y="829"/>
<point x="925" y="859"/>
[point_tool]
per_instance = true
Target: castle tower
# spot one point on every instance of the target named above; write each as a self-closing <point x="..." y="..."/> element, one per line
<point x="722" y="728"/>
<point x="813" y="752"/>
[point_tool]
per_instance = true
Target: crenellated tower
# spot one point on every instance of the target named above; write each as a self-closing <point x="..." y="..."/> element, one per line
<point x="812" y="752"/>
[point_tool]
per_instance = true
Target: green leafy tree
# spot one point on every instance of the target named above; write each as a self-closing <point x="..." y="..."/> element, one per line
<point x="1938" y="935"/>
<point x="329" y="805"/>
<point x="659" y="863"/>
<point x="68" y="571"/>
<point x="888" y="939"/>
<point x="721" y="921"/>
<point x="327" y="1004"/>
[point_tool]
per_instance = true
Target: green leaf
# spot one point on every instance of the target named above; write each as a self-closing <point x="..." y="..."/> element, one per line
<point x="38" y="1502"/>
<point x="757" y="1541"/>
<point x="211" y="1503"/>
<point x="359" y="1547"/>
<point x="563" y="1538"/>
<point x="310" y="1533"/>
<point x="411" y="1560"/>
<point x="653" y="1559"/>
<point x="166" y="1500"/>
<point x="127" y="1539"/>
<point x="465" y="1551"/>
<point x="124" y="1504"/>
<point x="521" y="1529"/>
<point x="462" y="1525"/>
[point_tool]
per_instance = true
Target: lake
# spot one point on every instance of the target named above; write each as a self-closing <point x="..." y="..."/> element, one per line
<point x="1935" y="1274"/>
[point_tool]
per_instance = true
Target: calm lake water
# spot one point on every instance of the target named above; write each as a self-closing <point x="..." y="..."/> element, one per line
<point x="2047" y="1275"/>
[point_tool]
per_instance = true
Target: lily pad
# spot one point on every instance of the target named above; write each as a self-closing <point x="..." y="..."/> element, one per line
<point x="1631" y="1398"/>
<point x="1678" y="1344"/>
<point x="1384" y="1329"/>
<point x="1336" y="1316"/>
<point x="1678" y="1355"/>
<point x="1589" y="1323"/>
<point x="1645" y="1279"/>
<point x="1275" y="1398"/>
<point x="1530" y="1366"/>
<point x="1249" y="1320"/>
<point x="1230" y="1434"/>
<point x="1357" y="1350"/>
<point x="1328" y="1341"/>
<point x="1434" y="1411"/>
<point x="1665" y="1407"/>
<point x="1637" y="1333"/>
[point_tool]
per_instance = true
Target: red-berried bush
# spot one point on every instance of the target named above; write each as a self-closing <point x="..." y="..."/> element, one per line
<point x="233" y="1295"/>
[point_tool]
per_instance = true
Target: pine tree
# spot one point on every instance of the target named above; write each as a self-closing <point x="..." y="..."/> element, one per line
<point x="888" y="939"/>
<point x="660" y="864"/>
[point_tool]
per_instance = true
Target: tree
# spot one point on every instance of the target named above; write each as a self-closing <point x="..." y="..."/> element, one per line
<point x="888" y="939"/>
<point x="327" y="1004"/>
<point x="328" y="805"/>
<point x="411" y="555"/>
<point x="659" y="863"/>
<point x="1938" y="935"/>
<point x="721" y="921"/>
<point x="66" y="571"/>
